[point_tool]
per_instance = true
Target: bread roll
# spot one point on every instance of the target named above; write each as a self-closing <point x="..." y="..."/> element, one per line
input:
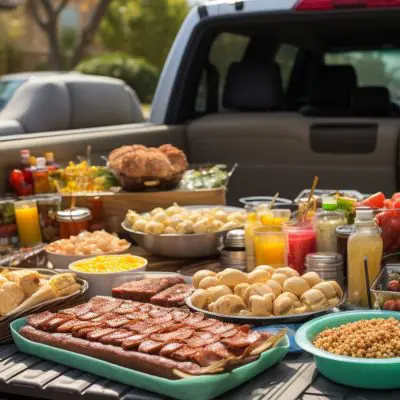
<point x="208" y="281"/>
<point x="232" y="277"/>
<point x="295" y="300"/>
<point x="11" y="296"/>
<point x="283" y="305"/>
<point x="295" y="285"/>
<point x="218" y="291"/>
<point x="257" y="289"/>
<point x="275" y="286"/>
<point x="287" y="271"/>
<point x="327" y="289"/>
<point x="278" y="277"/>
<point x="240" y="290"/>
<point x="246" y="313"/>
<point x="300" y="310"/>
<point x="312" y="278"/>
<point x="228" y="305"/>
<point x="259" y="276"/>
<point x="260" y="305"/>
<point x="314" y="299"/>
<point x="200" y="298"/>
<point x="338" y="289"/>
<point x="268" y="268"/>
<point x="199" y="275"/>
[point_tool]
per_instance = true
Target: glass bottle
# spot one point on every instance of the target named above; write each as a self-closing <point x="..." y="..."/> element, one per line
<point x="326" y="223"/>
<point x="364" y="242"/>
<point x="252" y="223"/>
<point x="41" y="177"/>
<point x="50" y="162"/>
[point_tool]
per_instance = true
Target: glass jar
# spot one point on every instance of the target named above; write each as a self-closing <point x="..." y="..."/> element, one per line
<point x="269" y="247"/>
<point x="326" y="223"/>
<point x="27" y="217"/>
<point x="8" y="227"/>
<point x="48" y="207"/>
<point x="328" y="265"/>
<point x="342" y="236"/>
<point x="300" y="240"/>
<point x="251" y="224"/>
<point x="274" y="219"/>
<point x="73" y="221"/>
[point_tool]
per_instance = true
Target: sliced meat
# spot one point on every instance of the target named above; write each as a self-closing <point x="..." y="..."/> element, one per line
<point x="178" y="335"/>
<point x="159" y="312"/>
<point x="138" y="326"/>
<point x="68" y="326"/>
<point x="183" y="353"/>
<point x="150" y="346"/>
<point x="84" y="324"/>
<point x="241" y="339"/>
<point x="204" y="324"/>
<point x="117" y="322"/>
<point x="194" y="318"/>
<point x="220" y="349"/>
<point x="220" y="328"/>
<point x="170" y="348"/>
<point x="98" y="302"/>
<point x="180" y="315"/>
<point x="116" y="338"/>
<point x="134" y="341"/>
<point x="205" y="357"/>
<point x="126" y="307"/>
<point x="174" y="296"/>
<point x="201" y="339"/>
<point x="105" y="317"/>
<point x="51" y="324"/>
<point x="109" y="307"/>
<point x="78" y="310"/>
<point x="89" y="316"/>
<point x="137" y="316"/>
<point x="159" y="328"/>
<point x="230" y="333"/>
<point x="82" y="333"/>
<point x="162" y="320"/>
<point x="98" y="333"/>
<point x="36" y="320"/>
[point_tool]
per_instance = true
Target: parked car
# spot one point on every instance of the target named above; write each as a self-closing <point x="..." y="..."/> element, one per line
<point x="273" y="85"/>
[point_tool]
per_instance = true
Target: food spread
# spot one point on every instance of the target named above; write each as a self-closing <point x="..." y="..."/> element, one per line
<point x="171" y="343"/>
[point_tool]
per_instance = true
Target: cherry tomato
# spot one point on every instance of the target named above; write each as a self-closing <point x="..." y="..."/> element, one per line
<point x="375" y="201"/>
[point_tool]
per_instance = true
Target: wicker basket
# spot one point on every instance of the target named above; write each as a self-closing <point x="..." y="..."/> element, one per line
<point x="50" y="305"/>
<point x="134" y="184"/>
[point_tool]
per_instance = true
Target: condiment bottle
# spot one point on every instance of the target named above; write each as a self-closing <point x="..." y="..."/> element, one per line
<point x="364" y="242"/>
<point x="26" y="166"/>
<point x="233" y="255"/>
<point x="326" y="222"/>
<point x="41" y="177"/>
<point x="252" y="222"/>
<point x="342" y="235"/>
<point x="73" y="221"/>
<point x="50" y="162"/>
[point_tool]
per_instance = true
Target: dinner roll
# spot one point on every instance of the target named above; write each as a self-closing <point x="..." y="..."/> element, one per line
<point x="287" y="271"/>
<point x="259" y="276"/>
<point x="199" y="275"/>
<point x="260" y="305"/>
<point x="295" y="285"/>
<point x="283" y="305"/>
<point x="338" y="289"/>
<point x="314" y="299"/>
<point x="228" y="305"/>
<point x="278" y="277"/>
<point x="275" y="286"/>
<point x="200" y="298"/>
<point x="327" y="289"/>
<point x="312" y="278"/>
<point x="258" y="289"/>
<point x="208" y="281"/>
<point x="268" y="268"/>
<point x="240" y="290"/>
<point x="231" y="277"/>
<point x="218" y="291"/>
<point x="296" y="301"/>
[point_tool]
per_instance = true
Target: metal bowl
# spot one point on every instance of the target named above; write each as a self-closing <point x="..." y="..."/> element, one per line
<point x="181" y="246"/>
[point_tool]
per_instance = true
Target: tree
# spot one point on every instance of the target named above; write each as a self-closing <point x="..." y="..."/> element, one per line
<point x="46" y="13"/>
<point x="143" y="28"/>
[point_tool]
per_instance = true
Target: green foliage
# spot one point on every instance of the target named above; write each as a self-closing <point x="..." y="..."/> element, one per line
<point x="143" y="28"/>
<point x="139" y="74"/>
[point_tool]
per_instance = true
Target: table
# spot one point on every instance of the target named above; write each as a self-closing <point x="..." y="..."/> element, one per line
<point x="294" y="378"/>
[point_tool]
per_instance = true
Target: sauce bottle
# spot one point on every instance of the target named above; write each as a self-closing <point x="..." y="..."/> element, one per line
<point x="50" y="162"/>
<point x="26" y="166"/>
<point x="41" y="177"/>
<point x="365" y="241"/>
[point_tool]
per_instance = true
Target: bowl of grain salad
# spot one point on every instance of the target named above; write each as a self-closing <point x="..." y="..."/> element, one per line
<point x="355" y="348"/>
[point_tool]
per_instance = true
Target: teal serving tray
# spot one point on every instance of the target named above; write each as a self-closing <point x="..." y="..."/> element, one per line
<point x="194" y="388"/>
<point x="365" y="373"/>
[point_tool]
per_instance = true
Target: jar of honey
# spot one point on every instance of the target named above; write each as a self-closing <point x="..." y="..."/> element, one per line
<point x="73" y="221"/>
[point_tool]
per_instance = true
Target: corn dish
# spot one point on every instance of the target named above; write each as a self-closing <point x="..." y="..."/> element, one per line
<point x="109" y="264"/>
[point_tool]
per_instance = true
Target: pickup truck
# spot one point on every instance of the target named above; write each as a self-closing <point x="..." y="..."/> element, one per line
<point x="277" y="86"/>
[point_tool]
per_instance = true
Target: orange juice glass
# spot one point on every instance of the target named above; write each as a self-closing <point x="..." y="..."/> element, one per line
<point x="27" y="217"/>
<point x="275" y="218"/>
<point x="269" y="247"/>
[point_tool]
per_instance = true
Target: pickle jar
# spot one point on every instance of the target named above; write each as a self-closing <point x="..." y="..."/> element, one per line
<point x="326" y="223"/>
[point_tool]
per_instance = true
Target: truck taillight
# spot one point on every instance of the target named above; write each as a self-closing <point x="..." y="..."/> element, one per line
<point x="310" y="5"/>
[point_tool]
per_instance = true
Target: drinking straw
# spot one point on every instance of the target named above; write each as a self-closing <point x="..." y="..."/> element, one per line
<point x="367" y="282"/>
<point x="303" y="215"/>
<point x="273" y="200"/>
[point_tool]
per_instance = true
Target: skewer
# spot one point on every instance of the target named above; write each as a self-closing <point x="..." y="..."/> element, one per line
<point x="303" y="215"/>
<point x="273" y="200"/>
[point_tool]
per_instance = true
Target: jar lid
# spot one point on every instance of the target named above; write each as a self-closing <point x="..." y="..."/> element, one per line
<point x="73" y="215"/>
<point x="343" y="232"/>
<point x="235" y="238"/>
<point x="324" y="258"/>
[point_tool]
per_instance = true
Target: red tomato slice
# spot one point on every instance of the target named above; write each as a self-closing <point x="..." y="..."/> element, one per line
<point x="374" y="201"/>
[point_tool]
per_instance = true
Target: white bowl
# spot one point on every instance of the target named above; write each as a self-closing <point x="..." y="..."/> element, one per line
<point x="102" y="283"/>
<point x="62" y="261"/>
